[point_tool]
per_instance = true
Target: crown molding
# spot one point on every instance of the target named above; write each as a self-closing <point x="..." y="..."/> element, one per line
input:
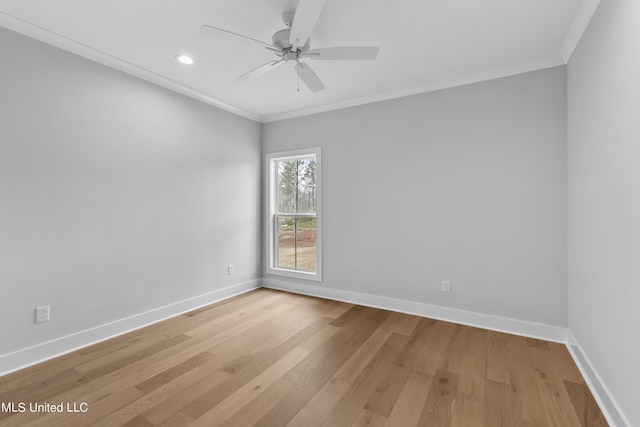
<point x="580" y="23"/>
<point x="497" y="73"/>
<point x="585" y="13"/>
<point x="57" y="40"/>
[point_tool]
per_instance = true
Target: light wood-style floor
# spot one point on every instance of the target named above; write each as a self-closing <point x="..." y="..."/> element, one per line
<point x="271" y="358"/>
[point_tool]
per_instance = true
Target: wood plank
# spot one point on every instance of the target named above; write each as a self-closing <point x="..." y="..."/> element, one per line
<point x="419" y="342"/>
<point x="438" y="407"/>
<point x="403" y="324"/>
<point x="498" y="357"/>
<point x="565" y="365"/>
<point x="340" y="310"/>
<point x="318" y="339"/>
<point x="127" y="356"/>
<point x="585" y="405"/>
<point x="451" y="358"/>
<point x="269" y="358"/>
<point x="154" y="397"/>
<point x="384" y="397"/>
<point x="320" y="367"/>
<point x="260" y="405"/>
<point x="472" y="376"/>
<point x="369" y="419"/>
<point x="138" y="421"/>
<point x="557" y="411"/>
<point x="309" y="376"/>
<point x="177" y="420"/>
<point x="536" y="343"/>
<point x="323" y="402"/>
<point x="525" y="377"/>
<point x="305" y="419"/>
<point x="347" y="409"/>
<point x="225" y="409"/>
<point x="440" y="336"/>
<point x="97" y="410"/>
<point x="408" y="407"/>
<point x="467" y="410"/>
<point x="258" y="363"/>
<point x="552" y="388"/>
<point x="173" y="372"/>
<point x="173" y="407"/>
<point x="497" y="405"/>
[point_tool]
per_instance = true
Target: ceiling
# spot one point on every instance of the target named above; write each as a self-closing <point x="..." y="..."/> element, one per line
<point x="424" y="45"/>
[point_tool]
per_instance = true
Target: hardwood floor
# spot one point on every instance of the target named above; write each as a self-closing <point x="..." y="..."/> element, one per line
<point x="270" y="358"/>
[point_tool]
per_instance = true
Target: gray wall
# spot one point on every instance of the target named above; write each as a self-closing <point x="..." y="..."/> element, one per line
<point x="604" y="199"/>
<point x="465" y="184"/>
<point x="116" y="196"/>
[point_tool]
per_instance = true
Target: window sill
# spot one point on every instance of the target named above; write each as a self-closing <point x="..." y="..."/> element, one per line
<point x="296" y="274"/>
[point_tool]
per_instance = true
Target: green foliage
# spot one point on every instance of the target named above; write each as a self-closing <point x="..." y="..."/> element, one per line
<point x="297" y="186"/>
<point x="287" y="224"/>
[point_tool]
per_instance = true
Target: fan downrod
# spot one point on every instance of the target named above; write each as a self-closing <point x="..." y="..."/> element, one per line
<point x="287" y="17"/>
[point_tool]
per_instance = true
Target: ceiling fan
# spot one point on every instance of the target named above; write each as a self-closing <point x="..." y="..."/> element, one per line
<point x="292" y="45"/>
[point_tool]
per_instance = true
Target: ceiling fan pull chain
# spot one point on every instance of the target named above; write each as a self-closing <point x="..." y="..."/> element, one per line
<point x="298" y="70"/>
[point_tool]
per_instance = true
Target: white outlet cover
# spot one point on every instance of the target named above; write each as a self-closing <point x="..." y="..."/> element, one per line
<point x="42" y="314"/>
<point x="446" y="286"/>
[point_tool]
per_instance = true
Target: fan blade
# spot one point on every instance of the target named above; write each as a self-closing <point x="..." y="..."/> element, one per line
<point x="342" y="53"/>
<point x="259" y="71"/>
<point x="231" y="36"/>
<point x="304" y="21"/>
<point x="309" y="77"/>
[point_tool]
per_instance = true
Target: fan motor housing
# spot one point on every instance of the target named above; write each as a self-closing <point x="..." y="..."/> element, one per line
<point x="281" y="41"/>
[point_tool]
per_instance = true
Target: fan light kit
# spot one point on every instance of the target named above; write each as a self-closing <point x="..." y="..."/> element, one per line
<point x="185" y="59"/>
<point x="293" y="45"/>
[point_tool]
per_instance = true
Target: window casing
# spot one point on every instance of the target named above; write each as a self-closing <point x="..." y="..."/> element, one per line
<point x="293" y="220"/>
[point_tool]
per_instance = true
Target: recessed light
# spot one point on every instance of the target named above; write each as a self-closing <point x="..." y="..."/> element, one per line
<point x="185" y="59"/>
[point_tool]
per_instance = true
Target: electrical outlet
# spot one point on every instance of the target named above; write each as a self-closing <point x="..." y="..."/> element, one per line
<point x="42" y="314"/>
<point x="230" y="269"/>
<point x="446" y="286"/>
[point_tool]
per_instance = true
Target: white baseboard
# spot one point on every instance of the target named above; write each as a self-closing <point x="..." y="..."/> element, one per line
<point x="615" y="417"/>
<point x="607" y="404"/>
<point x="486" y="321"/>
<point x="48" y="350"/>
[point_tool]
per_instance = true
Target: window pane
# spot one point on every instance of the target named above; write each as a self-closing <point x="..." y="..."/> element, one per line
<point x="286" y="243"/>
<point x="287" y="186"/>
<point x="296" y="183"/>
<point x="306" y="186"/>
<point x="306" y="244"/>
<point x="296" y="242"/>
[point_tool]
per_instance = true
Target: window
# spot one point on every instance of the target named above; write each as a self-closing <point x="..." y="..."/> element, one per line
<point x="293" y="219"/>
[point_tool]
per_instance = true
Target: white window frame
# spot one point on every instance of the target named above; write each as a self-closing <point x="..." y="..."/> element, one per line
<point x="271" y="211"/>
